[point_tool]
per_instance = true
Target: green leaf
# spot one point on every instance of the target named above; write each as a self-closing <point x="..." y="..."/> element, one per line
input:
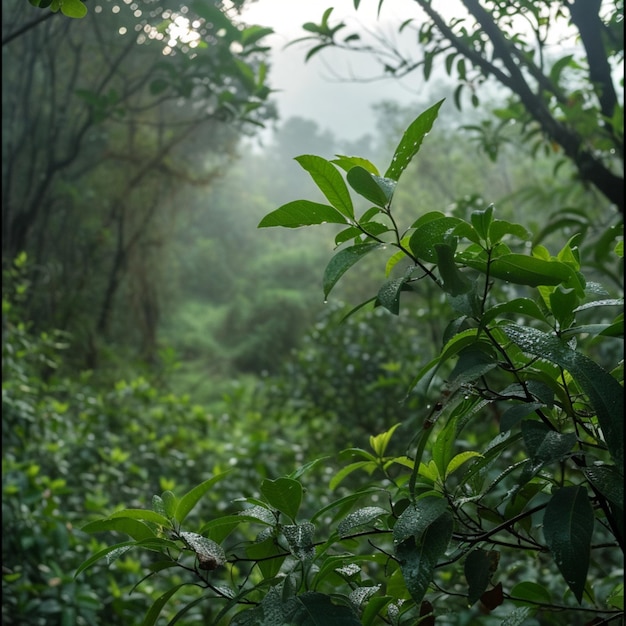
<point x="389" y="293"/>
<point x="132" y="527"/>
<point x="330" y="182"/>
<point x="268" y="554"/>
<point x="427" y="235"/>
<point x="459" y="460"/>
<point x="454" y="282"/>
<point x="170" y="502"/>
<point x="105" y="552"/>
<point x="300" y="540"/>
<point x="532" y="593"/>
<point x="517" y="306"/>
<point x="346" y="471"/>
<point x="302" y="213"/>
<point x="522" y="269"/>
<point x="348" y="162"/>
<point x="317" y="609"/>
<point x="284" y="494"/>
<point x="545" y="445"/>
<point x="604" y="392"/>
<point x="73" y="8"/>
<point x="499" y="228"/>
<point x="411" y="141"/>
<point x="343" y="261"/>
<point x="210" y="554"/>
<point x="190" y="499"/>
<point x="479" y="566"/>
<point x="143" y="514"/>
<point x="481" y="220"/>
<point x="419" y="558"/>
<point x="373" y="188"/>
<point x="155" y="610"/>
<point x="417" y="517"/>
<point x="516" y="413"/>
<point x="568" y="528"/>
<point x="359" y="518"/>
<point x="608" y="480"/>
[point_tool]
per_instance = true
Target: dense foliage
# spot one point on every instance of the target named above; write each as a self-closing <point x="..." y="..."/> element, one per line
<point x="513" y="474"/>
<point x="194" y="433"/>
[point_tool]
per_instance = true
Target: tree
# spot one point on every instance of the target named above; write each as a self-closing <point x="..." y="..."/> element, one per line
<point x="99" y="132"/>
<point x="570" y="101"/>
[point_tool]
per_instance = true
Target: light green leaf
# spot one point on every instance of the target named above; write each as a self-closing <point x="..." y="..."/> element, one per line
<point x="459" y="459"/>
<point x="568" y="528"/>
<point x="73" y="8"/>
<point x="379" y="442"/>
<point x="346" y="471"/>
<point x="302" y="213"/>
<point x="330" y="182"/>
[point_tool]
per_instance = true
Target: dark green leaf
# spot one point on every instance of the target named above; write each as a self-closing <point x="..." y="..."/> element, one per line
<point x="417" y="517"/>
<point x="190" y="499"/>
<point x="132" y="527"/>
<point x="317" y="609"/>
<point x="546" y="445"/>
<point x="373" y="188"/>
<point x="605" y="393"/>
<point x="524" y="270"/>
<point x="479" y="566"/>
<point x="454" y="282"/>
<point x="418" y="559"/>
<point x="568" y="527"/>
<point x="343" y="261"/>
<point x="430" y="233"/>
<point x="411" y="141"/>
<point x="608" y="480"/>
<point x="389" y="294"/>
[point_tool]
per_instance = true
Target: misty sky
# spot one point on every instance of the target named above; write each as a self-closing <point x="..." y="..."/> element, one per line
<point x="310" y="90"/>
